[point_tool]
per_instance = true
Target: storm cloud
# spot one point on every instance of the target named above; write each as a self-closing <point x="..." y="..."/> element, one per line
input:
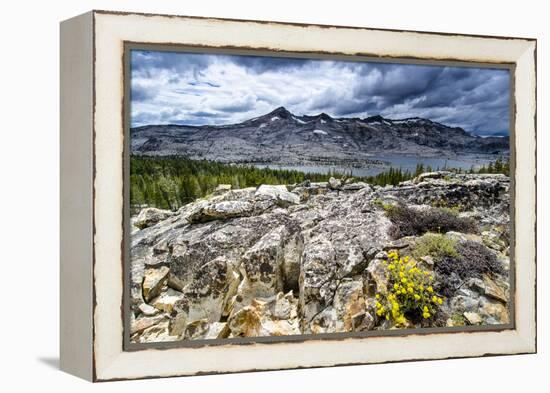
<point x="191" y="88"/>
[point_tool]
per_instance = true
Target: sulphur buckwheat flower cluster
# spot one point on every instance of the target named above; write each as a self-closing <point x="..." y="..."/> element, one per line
<point x="410" y="294"/>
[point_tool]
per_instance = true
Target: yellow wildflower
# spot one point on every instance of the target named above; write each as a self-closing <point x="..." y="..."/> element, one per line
<point x="401" y="320"/>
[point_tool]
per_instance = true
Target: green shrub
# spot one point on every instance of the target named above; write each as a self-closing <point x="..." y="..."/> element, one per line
<point x="444" y="203"/>
<point x="458" y="319"/>
<point x="435" y="245"/>
<point x="414" y="222"/>
<point x="381" y="204"/>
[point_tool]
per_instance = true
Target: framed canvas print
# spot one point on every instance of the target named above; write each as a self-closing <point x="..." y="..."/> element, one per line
<point x="246" y="195"/>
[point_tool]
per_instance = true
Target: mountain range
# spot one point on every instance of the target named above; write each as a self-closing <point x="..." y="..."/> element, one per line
<point x="284" y="138"/>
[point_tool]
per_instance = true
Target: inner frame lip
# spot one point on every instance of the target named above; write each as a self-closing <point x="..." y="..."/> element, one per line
<point x="129" y="46"/>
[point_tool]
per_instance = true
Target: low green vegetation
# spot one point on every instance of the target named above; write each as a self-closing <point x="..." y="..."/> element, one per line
<point x="381" y="204"/>
<point x="435" y="245"/>
<point x="458" y="319"/>
<point x="444" y="204"/>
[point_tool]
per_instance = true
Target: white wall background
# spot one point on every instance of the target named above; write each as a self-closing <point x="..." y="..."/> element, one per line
<point x="29" y="194"/>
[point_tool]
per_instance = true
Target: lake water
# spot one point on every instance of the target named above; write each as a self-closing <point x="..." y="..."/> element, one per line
<point x="405" y="162"/>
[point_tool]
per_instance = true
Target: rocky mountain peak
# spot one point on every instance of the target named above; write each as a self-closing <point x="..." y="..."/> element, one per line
<point x="280" y="112"/>
<point x="374" y="119"/>
<point x="324" y="116"/>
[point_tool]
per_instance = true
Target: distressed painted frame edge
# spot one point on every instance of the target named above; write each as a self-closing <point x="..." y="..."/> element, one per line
<point x="76" y="196"/>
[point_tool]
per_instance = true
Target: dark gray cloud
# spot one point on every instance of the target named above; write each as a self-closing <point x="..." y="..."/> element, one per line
<point x="187" y="88"/>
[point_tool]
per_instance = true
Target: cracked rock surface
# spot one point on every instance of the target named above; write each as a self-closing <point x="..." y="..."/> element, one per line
<point x="302" y="259"/>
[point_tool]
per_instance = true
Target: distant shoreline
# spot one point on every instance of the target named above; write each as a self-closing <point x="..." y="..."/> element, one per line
<point x="370" y="164"/>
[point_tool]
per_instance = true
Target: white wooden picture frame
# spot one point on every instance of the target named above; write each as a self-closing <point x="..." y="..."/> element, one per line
<point x="92" y="194"/>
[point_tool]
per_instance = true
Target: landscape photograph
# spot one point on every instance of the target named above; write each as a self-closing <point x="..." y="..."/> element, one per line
<point x="287" y="196"/>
